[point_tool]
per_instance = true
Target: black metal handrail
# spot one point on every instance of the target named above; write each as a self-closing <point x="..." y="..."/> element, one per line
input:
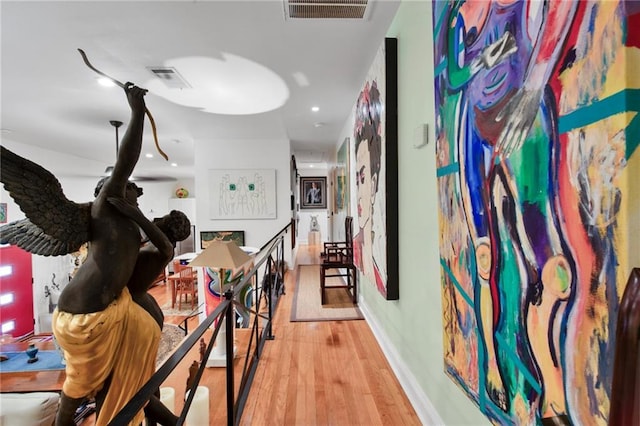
<point x="278" y="234"/>
<point x="226" y="309"/>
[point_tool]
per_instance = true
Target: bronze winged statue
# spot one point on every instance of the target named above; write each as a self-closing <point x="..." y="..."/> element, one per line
<point x="54" y="225"/>
<point x="102" y="331"/>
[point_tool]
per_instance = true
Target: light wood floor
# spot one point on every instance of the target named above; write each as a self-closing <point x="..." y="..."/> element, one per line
<point x="312" y="373"/>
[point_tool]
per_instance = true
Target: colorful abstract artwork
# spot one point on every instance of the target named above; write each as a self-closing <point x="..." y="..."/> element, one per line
<point x="376" y="173"/>
<point x="537" y="132"/>
<point x="214" y="290"/>
<point x="342" y="177"/>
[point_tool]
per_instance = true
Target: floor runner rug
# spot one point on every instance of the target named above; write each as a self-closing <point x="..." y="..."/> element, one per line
<point x="306" y="300"/>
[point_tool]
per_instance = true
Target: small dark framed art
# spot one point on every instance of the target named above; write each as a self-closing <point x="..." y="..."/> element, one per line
<point x="313" y="192"/>
<point x="207" y="237"/>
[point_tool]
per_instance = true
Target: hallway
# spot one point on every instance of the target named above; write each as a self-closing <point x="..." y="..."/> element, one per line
<point x="312" y="373"/>
<point x="324" y="373"/>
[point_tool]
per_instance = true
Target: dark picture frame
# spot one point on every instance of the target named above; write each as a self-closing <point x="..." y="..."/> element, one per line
<point x="313" y="192"/>
<point x="375" y="144"/>
<point x="206" y="237"/>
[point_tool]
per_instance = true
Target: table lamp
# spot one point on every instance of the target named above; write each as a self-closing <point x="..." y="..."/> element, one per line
<point x="221" y="255"/>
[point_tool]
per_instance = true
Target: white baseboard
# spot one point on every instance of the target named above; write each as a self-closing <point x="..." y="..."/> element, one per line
<point x="421" y="403"/>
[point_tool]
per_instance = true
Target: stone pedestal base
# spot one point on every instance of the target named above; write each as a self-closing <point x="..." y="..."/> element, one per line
<point x="219" y="359"/>
<point x="314" y="238"/>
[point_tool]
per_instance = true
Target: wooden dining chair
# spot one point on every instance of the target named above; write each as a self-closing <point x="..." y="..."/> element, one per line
<point x="187" y="286"/>
<point x="625" y="384"/>
<point x="337" y="261"/>
<point x="177" y="266"/>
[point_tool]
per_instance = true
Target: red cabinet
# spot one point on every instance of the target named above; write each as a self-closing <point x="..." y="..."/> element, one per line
<point x="16" y="291"/>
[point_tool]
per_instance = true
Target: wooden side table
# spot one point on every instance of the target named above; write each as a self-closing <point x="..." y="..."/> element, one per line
<point x="31" y="381"/>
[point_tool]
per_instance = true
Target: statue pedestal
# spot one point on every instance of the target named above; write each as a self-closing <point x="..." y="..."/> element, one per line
<point x="219" y="360"/>
<point x="218" y="355"/>
<point x="314" y="238"/>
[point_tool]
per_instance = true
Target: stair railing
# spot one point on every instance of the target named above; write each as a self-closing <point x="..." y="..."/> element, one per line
<point x="271" y="255"/>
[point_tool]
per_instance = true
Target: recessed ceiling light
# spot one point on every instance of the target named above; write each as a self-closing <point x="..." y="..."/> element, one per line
<point x="174" y="164"/>
<point x="318" y="124"/>
<point x="311" y="166"/>
<point x="106" y="82"/>
<point x="149" y="155"/>
<point x="315" y="108"/>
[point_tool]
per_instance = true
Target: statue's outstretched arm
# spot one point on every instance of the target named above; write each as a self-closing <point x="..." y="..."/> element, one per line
<point x="131" y="145"/>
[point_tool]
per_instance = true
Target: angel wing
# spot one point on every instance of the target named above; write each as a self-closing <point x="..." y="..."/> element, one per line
<point x="54" y="225"/>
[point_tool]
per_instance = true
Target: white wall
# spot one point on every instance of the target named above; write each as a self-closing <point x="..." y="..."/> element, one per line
<point x="157" y="196"/>
<point x="153" y="202"/>
<point x="244" y="154"/>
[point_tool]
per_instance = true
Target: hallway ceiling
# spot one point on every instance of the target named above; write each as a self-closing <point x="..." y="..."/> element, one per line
<point x="246" y="57"/>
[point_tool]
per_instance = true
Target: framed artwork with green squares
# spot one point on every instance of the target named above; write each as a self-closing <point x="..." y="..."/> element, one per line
<point x="242" y="193"/>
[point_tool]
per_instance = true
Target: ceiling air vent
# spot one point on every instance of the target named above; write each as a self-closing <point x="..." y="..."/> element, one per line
<point x="170" y="76"/>
<point x="325" y="9"/>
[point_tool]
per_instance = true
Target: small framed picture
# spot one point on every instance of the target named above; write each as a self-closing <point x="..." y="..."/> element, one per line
<point x="3" y="212"/>
<point x="313" y="192"/>
<point x="206" y="237"/>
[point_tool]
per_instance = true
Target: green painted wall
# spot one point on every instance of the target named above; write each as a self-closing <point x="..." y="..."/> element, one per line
<point x="413" y="323"/>
<point x="410" y="328"/>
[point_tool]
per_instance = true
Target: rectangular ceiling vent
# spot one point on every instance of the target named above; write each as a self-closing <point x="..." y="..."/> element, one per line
<point x="170" y="76"/>
<point x="325" y="9"/>
<point x="304" y="157"/>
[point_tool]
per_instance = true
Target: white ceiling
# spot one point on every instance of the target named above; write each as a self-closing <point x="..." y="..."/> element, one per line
<point x="51" y="99"/>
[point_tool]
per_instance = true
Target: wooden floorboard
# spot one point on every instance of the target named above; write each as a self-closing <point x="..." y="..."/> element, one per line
<point x="312" y="373"/>
<point x="324" y="373"/>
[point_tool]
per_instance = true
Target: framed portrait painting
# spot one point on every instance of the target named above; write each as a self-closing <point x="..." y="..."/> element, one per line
<point x="313" y="192"/>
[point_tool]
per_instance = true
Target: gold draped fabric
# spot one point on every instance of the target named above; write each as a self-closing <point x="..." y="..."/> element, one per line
<point x="121" y="341"/>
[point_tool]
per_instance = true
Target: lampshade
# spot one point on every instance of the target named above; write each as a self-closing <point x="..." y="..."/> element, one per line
<point x="221" y="254"/>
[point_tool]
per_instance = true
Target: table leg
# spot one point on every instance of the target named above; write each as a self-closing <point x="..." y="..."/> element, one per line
<point x="174" y="291"/>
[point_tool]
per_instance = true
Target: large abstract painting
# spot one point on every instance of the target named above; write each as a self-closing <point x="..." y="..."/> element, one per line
<point x="536" y="143"/>
<point x="375" y="136"/>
